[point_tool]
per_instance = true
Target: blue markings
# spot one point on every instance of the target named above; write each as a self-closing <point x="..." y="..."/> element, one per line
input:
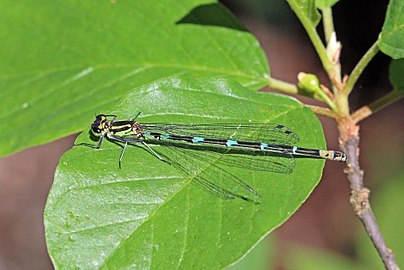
<point x="263" y="146"/>
<point x="231" y="143"/>
<point x="165" y="136"/>
<point x="197" y="139"/>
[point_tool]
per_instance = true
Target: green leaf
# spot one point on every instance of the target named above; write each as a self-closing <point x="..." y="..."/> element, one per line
<point x="396" y="71"/>
<point x="260" y="257"/>
<point x="306" y="11"/>
<point x="325" y="3"/>
<point x="150" y="215"/>
<point x="62" y="61"/>
<point x="392" y="36"/>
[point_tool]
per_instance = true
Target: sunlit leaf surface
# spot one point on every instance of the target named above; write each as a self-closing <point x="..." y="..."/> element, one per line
<point x="149" y="215"/>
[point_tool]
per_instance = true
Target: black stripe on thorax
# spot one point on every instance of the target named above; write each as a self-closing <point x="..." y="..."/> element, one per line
<point x="116" y="128"/>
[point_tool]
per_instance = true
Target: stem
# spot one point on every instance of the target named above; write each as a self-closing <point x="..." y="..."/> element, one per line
<point x="323" y="111"/>
<point x="360" y="66"/>
<point x="328" y="23"/>
<point x="315" y="39"/>
<point x="282" y="86"/>
<point x="348" y="129"/>
<point x="342" y="103"/>
<point x="327" y="100"/>
<point x="377" y="105"/>
<point x="359" y="194"/>
<point x="321" y="51"/>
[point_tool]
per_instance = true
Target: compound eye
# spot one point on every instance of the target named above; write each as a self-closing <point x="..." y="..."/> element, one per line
<point x="100" y="117"/>
<point x="96" y="131"/>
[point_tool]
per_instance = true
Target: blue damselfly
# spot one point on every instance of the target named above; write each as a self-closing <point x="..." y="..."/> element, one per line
<point x="261" y="147"/>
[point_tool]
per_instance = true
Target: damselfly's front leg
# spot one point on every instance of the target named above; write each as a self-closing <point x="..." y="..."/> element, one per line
<point x="95" y="146"/>
<point x="137" y="141"/>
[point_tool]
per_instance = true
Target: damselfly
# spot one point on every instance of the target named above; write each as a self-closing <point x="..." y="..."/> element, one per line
<point x="262" y="147"/>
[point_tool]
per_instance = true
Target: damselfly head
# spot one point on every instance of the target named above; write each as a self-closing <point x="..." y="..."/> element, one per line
<point x="100" y="123"/>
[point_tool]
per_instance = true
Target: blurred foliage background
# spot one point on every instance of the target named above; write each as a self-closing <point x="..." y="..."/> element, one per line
<point x="324" y="233"/>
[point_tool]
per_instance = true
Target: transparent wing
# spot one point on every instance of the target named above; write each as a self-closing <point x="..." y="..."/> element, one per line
<point x="259" y="161"/>
<point x="258" y="132"/>
<point x="195" y="164"/>
<point x="202" y="164"/>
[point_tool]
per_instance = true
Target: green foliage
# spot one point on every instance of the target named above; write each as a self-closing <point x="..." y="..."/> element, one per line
<point x="63" y="61"/>
<point x="396" y="74"/>
<point x="306" y="11"/>
<point x="325" y="3"/>
<point x="392" y="36"/>
<point x="149" y="215"/>
<point x="304" y="258"/>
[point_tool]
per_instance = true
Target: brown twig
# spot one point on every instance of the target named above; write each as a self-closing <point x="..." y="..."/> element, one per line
<point x="359" y="193"/>
<point x="322" y="111"/>
<point x="377" y="105"/>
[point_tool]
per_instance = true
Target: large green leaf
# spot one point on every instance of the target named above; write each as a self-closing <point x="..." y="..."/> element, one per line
<point x="149" y="214"/>
<point x="392" y="36"/>
<point x="61" y="61"/>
